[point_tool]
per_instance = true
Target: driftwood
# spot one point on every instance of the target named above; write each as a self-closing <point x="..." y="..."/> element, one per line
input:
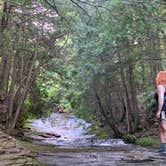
<point x="48" y="135"/>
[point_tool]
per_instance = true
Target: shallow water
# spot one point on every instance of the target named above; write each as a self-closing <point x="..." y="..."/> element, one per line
<point x="76" y="147"/>
<point x="128" y="155"/>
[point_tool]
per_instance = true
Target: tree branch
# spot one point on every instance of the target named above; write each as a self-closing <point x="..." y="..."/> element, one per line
<point x="53" y="6"/>
<point x="78" y="5"/>
<point x="94" y="5"/>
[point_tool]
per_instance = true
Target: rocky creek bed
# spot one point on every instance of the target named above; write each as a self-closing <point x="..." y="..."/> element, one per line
<point x="65" y="140"/>
<point x="29" y="153"/>
<point x="120" y="155"/>
<point x="13" y="154"/>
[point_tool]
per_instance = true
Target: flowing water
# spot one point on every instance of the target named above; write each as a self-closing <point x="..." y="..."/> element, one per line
<point x="76" y="147"/>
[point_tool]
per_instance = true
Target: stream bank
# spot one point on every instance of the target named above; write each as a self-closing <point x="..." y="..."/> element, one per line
<point x="13" y="154"/>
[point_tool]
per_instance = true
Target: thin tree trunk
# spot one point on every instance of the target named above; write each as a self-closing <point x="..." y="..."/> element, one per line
<point x="11" y="91"/>
<point x="113" y="126"/>
<point x="28" y="81"/>
<point x="133" y="96"/>
<point x="125" y="94"/>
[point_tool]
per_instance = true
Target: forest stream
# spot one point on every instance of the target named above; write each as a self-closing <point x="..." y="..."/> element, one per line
<point x="97" y="58"/>
<point x="64" y="140"/>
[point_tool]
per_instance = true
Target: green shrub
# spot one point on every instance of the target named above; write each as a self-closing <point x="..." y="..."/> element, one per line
<point x="129" y="138"/>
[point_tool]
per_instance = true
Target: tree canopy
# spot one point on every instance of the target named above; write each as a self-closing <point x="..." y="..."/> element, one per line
<point x="98" y="59"/>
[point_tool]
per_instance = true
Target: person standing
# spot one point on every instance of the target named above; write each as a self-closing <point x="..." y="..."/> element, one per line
<point x="161" y="110"/>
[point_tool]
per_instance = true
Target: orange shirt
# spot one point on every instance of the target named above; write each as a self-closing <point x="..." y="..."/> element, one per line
<point x="161" y="78"/>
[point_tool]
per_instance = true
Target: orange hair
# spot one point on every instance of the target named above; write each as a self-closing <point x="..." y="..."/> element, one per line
<point x="161" y="78"/>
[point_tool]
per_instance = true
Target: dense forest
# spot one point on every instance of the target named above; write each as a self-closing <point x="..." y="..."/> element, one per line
<point x="95" y="58"/>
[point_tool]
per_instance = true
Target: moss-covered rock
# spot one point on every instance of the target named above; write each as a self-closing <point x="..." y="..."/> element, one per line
<point x="129" y="138"/>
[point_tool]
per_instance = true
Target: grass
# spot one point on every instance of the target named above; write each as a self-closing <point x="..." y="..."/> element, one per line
<point x="148" y="142"/>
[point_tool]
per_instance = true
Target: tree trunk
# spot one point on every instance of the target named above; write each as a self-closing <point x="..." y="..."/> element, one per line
<point x="25" y="91"/>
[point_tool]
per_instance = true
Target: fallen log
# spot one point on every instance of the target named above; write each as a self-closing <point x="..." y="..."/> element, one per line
<point x="49" y="135"/>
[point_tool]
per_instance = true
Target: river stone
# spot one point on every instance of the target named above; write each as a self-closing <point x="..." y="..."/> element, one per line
<point x="13" y="150"/>
<point x="2" y="135"/>
<point x="7" y="156"/>
<point x="2" y="141"/>
<point x="5" y="162"/>
<point x="9" y="144"/>
<point x="13" y="154"/>
<point x="21" y="161"/>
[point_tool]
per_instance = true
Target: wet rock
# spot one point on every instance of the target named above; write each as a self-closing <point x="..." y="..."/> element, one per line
<point x="13" y="150"/>
<point x="7" y="144"/>
<point x="105" y="158"/>
<point x="6" y="162"/>
<point x="7" y="156"/>
<point x="21" y="161"/>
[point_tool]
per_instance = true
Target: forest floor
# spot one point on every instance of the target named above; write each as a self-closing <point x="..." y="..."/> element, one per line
<point x="152" y="131"/>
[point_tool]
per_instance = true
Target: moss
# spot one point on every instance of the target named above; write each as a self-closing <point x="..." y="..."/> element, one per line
<point x="148" y="142"/>
<point x="99" y="132"/>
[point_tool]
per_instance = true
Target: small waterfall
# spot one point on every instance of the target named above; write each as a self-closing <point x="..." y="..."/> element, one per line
<point x="72" y="131"/>
<point x="67" y="126"/>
